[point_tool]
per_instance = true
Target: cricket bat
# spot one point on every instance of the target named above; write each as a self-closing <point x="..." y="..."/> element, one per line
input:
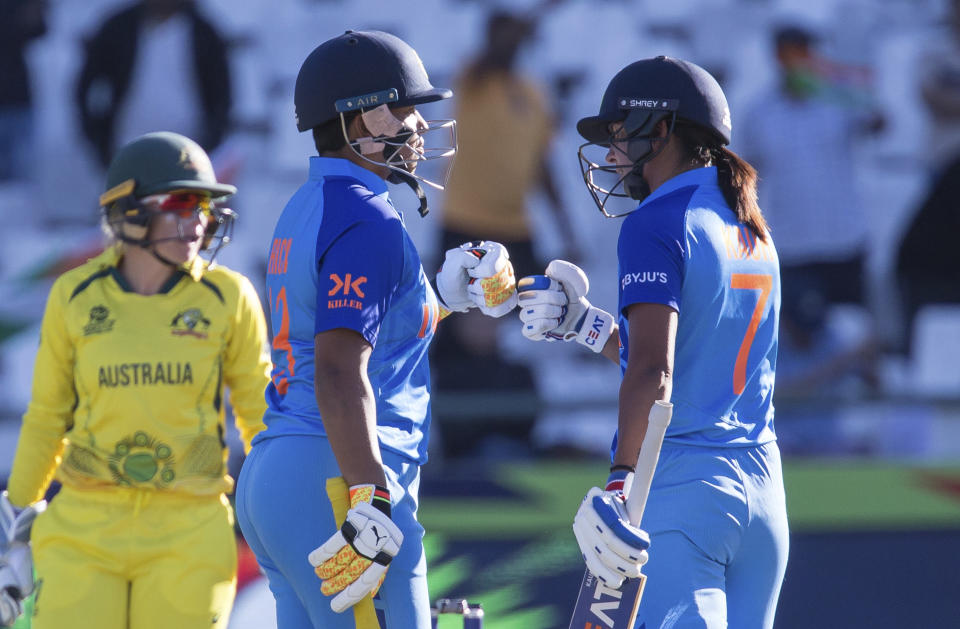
<point x="601" y="607"/>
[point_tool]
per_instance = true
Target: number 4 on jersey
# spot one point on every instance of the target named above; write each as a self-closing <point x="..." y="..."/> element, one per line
<point x="281" y="342"/>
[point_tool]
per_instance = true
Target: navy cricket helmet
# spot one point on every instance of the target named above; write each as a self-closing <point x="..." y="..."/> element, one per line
<point x="640" y="96"/>
<point x="360" y="69"/>
<point x="660" y="85"/>
<point x="373" y="73"/>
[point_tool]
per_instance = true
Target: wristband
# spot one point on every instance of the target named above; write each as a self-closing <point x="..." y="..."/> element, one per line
<point x="594" y="328"/>
<point x="618" y="478"/>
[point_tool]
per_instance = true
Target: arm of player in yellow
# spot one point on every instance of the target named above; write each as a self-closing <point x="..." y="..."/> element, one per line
<point x="247" y="364"/>
<point x="50" y="412"/>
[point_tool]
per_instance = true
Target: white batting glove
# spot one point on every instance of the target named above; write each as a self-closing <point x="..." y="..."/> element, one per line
<point x="493" y="285"/>
<point x="16" y="560"/>
<point x="554" y="307"/>
<point x="477" y="274"/>
<point x="353" y="562"/>
<point x="613" y="548"/>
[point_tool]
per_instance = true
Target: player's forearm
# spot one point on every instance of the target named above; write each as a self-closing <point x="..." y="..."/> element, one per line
<point x="249" y="405"/>
<point x="641" y="386"/>
<point x="349" y="412"/>
<point x="38" y="454"/>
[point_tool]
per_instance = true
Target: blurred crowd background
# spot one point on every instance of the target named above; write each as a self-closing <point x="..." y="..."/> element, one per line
<point x="850" y="110"/>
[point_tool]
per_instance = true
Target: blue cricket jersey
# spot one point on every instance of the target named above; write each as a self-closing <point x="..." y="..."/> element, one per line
<point x="341" y="258"/>
<point x="684" y="248"/>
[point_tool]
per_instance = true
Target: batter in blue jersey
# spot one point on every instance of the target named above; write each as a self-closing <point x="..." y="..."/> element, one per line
<point x="328" y="497"/>
<point x="699" y="298"/>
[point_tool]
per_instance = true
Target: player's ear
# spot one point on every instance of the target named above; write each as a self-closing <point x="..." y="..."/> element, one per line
<point x="357" y="128"/>
<point x="661" y="129"/>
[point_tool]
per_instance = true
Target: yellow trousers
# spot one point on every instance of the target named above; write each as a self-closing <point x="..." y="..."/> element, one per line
<point x="134" y="559"/>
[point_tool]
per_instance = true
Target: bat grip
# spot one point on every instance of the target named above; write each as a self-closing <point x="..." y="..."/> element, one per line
<point x="657" y="423"/>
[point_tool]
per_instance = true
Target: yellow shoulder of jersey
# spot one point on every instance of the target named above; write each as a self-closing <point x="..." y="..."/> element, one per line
<point x="70" y="280"/>
<point x="234" y="284"/>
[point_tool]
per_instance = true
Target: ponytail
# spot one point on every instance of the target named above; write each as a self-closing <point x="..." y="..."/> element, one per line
<point x="737" y="178"/>
<point x="738" y="181"/>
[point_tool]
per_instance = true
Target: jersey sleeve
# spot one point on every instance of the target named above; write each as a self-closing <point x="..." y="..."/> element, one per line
<point x="358" y="275"/>
<point x="50" y="412"/>
<point x="247" y="364"/>
<point x="650" y="253"/>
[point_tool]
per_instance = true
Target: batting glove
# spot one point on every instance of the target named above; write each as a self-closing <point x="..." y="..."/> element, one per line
<point x="554" y="307"/>
<point x="477" y="274"/>
<point x="353" y="562"/>
<point x="16" y="560"/>
<point x="613" y="548"/>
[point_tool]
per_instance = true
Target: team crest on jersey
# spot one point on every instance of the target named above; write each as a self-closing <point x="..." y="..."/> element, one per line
<point x="99" y="322"/>
<point x="190" y="322"/>
<point x="140" y="458"/>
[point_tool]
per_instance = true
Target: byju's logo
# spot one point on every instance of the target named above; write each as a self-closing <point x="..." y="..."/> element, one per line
<point x="645" y="277"/>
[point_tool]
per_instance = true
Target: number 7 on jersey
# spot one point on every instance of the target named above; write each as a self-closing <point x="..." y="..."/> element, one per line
<point x="763" y="283"/>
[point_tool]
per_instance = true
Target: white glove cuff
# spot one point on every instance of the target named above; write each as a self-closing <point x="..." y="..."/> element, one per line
<point x="596" y="328"/>
<point x="16" y="570"/>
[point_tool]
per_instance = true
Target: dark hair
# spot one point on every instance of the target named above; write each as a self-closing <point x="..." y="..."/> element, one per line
<point x="328" y="137"/>
<point x="738" y="179"/>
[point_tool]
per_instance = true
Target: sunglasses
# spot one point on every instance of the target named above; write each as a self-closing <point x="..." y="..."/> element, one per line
<point x="183" y="204"/>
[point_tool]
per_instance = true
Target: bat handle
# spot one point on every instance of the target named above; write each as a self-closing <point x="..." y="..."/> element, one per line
<point x="657" y="423"/>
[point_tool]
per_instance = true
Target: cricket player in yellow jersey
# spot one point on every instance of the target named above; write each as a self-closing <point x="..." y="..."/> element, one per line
<point x="137" y="347"/>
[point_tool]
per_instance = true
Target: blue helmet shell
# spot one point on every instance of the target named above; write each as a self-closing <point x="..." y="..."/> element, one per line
<point x="357" y="70"/>
<point x="662" y="84"/>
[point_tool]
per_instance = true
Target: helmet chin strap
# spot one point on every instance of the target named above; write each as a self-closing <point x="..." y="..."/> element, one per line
<point x="150" y="245"/>
<point x="389" y="134"/>
<point x="156" y="254"/>
<point x="398" y="176"/>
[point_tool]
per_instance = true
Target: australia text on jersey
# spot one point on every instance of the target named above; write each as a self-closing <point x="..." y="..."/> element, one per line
<point x="145" y="374"/>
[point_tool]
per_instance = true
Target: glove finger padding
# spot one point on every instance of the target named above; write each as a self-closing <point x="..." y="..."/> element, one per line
<point x="591" y="555"/>
<point x="623" y="557"/>
<point x="543" y="307"/>
<point x="572" y="278"/>
<point x="354" y="561"/>
<point x="493" y="285"/>
<point x="613" y="548"/>
<point x="368" y="584"/>
<point x="452" y="278"/>
<point x="584" y="323"/>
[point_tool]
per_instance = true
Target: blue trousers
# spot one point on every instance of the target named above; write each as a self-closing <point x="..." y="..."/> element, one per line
<point x="287" y="493"/>
<point x="717" y="521"/>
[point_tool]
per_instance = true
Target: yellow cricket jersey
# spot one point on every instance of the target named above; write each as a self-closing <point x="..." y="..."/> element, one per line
<point x="128" y="389"/>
